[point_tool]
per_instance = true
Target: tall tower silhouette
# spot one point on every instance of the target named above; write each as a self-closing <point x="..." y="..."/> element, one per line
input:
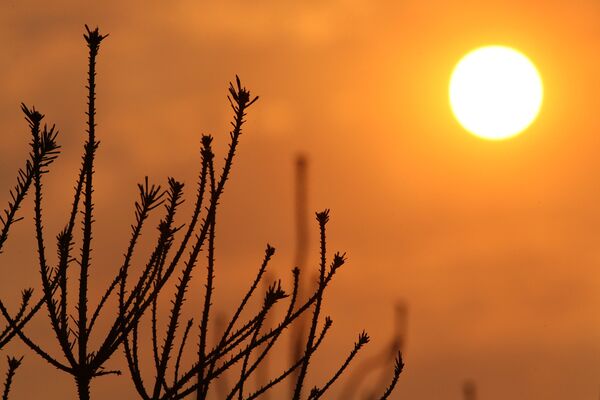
<point x="297" y="336"/>
<point x="301" y="210"/>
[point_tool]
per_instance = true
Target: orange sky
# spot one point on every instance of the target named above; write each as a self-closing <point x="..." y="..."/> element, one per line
<point x="493" y="245"/>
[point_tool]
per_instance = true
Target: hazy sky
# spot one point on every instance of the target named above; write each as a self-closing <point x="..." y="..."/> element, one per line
<point x="493" y="245"/>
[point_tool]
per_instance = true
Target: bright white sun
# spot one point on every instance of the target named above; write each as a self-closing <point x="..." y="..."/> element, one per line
<point x="495" y="92"/>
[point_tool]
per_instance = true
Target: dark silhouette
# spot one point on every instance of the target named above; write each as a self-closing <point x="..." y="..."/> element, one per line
<point x="380" y="361"/>
<point x="301" y="253"/>
<point x="469" y="390"/>
<point x="44" y="150"/>
<point x="244" y="342"/>
<point x="13" y="364"/>
<point x="78" y="359"/>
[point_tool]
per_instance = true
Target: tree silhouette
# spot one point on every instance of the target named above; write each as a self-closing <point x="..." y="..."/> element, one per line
<point x="244" y="343"/>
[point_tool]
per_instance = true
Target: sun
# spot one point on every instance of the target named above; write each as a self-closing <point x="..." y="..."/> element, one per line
<point x="495" y="92"/>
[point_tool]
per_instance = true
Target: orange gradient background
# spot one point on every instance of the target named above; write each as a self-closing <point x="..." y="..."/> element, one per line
<point x="494" y="246"/>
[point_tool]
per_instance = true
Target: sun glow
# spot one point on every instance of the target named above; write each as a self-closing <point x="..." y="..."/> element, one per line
<point x="495" y="92"/>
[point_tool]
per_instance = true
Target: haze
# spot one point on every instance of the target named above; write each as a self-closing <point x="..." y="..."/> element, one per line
<point x="492" y="245"/>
